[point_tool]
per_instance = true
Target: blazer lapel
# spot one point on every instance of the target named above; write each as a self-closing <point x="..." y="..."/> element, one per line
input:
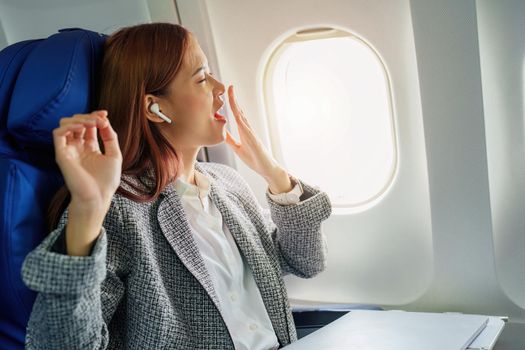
<point x="266" y="278"/>
<point x="176" y="229"/>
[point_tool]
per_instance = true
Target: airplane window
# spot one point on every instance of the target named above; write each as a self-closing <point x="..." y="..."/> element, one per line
<point x="328" y="98"/>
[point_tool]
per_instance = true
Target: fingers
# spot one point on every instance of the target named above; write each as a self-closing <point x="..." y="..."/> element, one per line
<point x="77" y="136"/>
<point x="233" y="103"/>
<point x="88" y="135"/>
<point x="69" y="131"/>
<point x="110" y="139"/>
<point x="82" y="129"/>
<point x="237" y="111"/>
<point x="231" y="141"/>
<point x="90" y="139"/>
<point x="62" y="137"/>
<point x="80" y="117"/>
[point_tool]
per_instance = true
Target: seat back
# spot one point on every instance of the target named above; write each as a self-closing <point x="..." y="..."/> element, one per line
<point x="41" y="81"/>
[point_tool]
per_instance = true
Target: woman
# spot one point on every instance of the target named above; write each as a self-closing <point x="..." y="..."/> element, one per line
<point x="154" y="249"/>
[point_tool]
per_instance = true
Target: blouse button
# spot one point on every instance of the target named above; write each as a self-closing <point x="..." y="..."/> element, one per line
<point x="253" y="327"/>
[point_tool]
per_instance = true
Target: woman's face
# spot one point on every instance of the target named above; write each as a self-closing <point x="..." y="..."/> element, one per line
<point x="193" y="98"/>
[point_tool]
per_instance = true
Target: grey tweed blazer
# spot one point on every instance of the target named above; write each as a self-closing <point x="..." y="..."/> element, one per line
<point x="145" y="285"/>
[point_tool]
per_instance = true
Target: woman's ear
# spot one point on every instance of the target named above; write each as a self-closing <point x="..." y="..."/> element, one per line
<point x="149" y="100"/>
<point x="153" y="111"/>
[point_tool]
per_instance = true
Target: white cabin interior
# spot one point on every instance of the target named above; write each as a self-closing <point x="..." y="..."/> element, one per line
<point x="445" y="233"/>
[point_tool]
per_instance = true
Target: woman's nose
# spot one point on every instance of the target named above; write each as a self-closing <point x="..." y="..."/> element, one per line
<point x="218" y="86"/>
<point x="221" y="89"/>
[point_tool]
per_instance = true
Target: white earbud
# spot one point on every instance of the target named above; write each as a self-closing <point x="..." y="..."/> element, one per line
<point x="154" y="108"/>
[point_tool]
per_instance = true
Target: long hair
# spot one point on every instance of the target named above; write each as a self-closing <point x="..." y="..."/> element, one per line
<point x="138" y="60"/>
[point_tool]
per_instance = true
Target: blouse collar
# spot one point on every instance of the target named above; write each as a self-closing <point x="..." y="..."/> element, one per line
<point x="201" y="189"/>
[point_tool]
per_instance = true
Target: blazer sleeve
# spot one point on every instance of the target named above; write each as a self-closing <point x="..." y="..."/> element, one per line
<point x="290" y="234"/>
<point x="296" y="233"/>
<point x="77" y="296"/>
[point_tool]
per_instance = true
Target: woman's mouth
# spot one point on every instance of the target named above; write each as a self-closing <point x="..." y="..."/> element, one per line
<point x="219" y="118"/>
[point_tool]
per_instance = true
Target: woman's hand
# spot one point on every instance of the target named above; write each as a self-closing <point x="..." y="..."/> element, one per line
<point x="91" y="177"/>
<point x="252" y="152"/>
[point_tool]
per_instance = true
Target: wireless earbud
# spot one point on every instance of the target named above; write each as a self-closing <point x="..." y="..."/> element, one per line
<point x="154" y="108"/>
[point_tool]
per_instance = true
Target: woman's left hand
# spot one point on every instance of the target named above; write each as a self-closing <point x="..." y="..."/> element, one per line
<point x="252" y="152"/>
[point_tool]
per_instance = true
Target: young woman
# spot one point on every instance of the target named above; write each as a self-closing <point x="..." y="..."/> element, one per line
<point x="156" y="250"/>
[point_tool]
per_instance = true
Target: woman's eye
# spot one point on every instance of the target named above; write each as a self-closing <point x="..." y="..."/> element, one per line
<point x="203" y="80"/>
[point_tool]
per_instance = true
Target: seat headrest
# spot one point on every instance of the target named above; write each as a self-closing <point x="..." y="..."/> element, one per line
<point x="56" y="78"/>
<point x="40" y="82"/>
<point x="11" y="60"/>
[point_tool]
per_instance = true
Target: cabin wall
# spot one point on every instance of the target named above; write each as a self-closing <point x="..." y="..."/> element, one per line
<point x="28" y="19"/>
<point x="502" y="46"/>
<point x="3" y="39"/>
<point x="449" y="69"/>
<point x="383" y="255"/>
<point x="429" y="245"/>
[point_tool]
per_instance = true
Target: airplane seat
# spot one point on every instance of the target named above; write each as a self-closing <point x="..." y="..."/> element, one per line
<point x="41" y="81"/>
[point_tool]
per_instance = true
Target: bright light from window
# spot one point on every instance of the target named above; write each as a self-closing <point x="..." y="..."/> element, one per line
<point x="332" y="122"/>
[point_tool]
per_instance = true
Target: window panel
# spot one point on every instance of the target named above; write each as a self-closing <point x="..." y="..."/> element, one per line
<point x="331" y="117"/>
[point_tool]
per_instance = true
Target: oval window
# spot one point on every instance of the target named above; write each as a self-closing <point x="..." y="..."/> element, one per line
<point x="328" y="99"/>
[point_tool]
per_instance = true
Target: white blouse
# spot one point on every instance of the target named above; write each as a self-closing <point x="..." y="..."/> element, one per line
<point x="242" y="306"/>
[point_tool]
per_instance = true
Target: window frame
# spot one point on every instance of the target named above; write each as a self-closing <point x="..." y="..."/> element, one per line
<point x="317" y="33"/>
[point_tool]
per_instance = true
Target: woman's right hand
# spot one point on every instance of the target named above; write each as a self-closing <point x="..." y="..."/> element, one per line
<point x="90" y="176"/>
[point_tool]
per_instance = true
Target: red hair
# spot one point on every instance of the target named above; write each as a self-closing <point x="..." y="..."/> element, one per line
<point x="138" y="60"/>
